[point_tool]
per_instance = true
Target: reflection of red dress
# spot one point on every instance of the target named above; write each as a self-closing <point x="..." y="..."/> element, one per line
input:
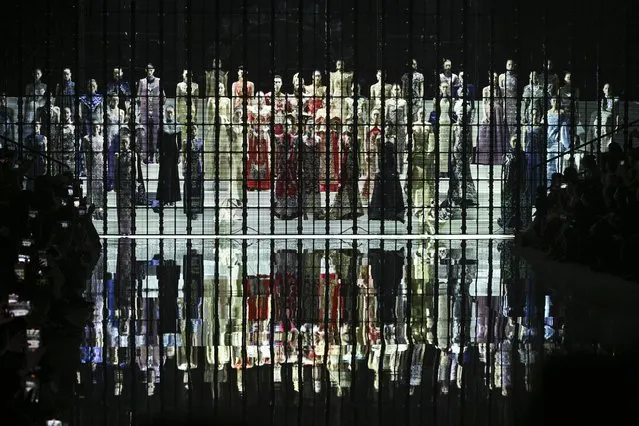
<point x="258" y="166"/>
<point x="258" y="293"/>
<point x="333" y="167"/>
<point x="335" y="299"/>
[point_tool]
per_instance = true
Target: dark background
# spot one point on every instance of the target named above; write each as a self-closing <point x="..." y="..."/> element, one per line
<point x="594" y="39"/>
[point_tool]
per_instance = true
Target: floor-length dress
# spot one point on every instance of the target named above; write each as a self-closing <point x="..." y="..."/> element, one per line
<point x="462" y="188"/>
<point x="514" y="193"/>
<point x="258" y="166"/>
<point x="534" y="140"/>
<point x="348" y="203"/>
<point x="491" y="142"/>
<point x="194" y="179"/>
<point x="443" y="124"/>
<point x="387" y="202"/>
<point x="170" y="146"/>
<point x="423" y="175"/>
<point x="94" y="148"/>
<point x="508" y="86"/>
<point x="287" y="191"/>
<point x="310" y="190"/>
<point x="396" y="121"/>
<point x="558" y="140"/>
<point x="115" y="120"/>
<point x="217" y="139"/>
<point x="124" y="191"/>
<point x="329" y="153"/>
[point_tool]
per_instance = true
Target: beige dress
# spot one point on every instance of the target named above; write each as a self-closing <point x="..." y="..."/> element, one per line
<point x="423" y="176"/>
<point x="181" y="109"/>
<point x="221" y="140"/>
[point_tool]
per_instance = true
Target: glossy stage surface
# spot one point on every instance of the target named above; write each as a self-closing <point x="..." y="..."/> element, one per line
<point x="375" y="332"/>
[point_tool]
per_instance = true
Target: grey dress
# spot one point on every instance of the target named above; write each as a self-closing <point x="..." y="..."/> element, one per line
<point x="124" y="189"/>
<point x="94" y="147"/>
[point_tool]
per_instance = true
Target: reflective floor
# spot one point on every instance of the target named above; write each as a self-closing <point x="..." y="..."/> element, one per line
<point x="333" y="332"/>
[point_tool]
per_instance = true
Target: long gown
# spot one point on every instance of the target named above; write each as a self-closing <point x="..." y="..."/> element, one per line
<point x="515" y="209"/>
<point x="94" y="147"/>
<point x="170" y="146"/>
<point x="396" y="120"/>
<point x="287" y="191"/>
<point x="150" y="98"/>
<point x="124" y="190"/>
<point x="491" y="142"/>
<point x="310" y="190"/>
<point x="387" y="202"/>
<point x="115" y="121"/>
<point x="423" y="174"/>
<point x="329" y="150"/>
<point x="67" y="149"/>
<point x="347" y="203"/>
<point x="36" y="150"/>
<point x="508" y="86"/>
<point x="181" y="109"/>
<point x="221" y="146"/>
<point x="534" y="138"/>
<point x="444" y="125"/>
<point x="258" y="166"/>
<point x="558" y="140"/>
<point x="462" y="186"/>
<point x="194" y="179"/>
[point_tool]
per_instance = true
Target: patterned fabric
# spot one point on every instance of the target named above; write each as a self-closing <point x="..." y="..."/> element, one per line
<point x="387" y="202"/>
<point x="65" y="96"/>
<point x="124" y="182"/>
<point x="462" y="186"/>
<point x="311" y="174"/>
<point x="515" y="210"/>
<point x="508" y="86"/>
<point x="491" y="143"/>
<point x="194" y="179"/>
<point x="94" y="148"/>
<point x="347" y="203"/>
<point x="287" y="194"/>
<point x="533" y="98"/>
